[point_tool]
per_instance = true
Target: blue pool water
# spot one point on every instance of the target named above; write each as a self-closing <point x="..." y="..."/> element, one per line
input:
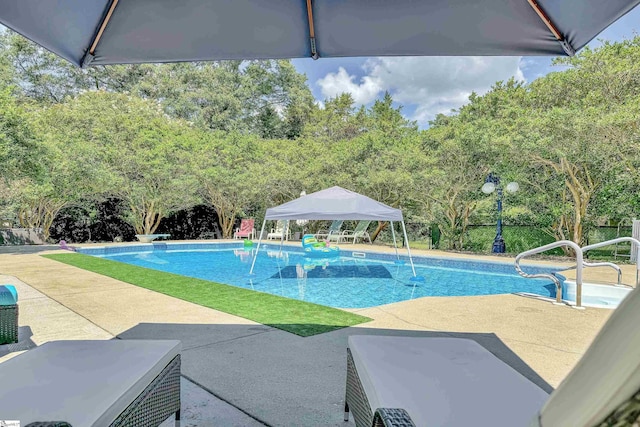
<point x="344" y="282"/>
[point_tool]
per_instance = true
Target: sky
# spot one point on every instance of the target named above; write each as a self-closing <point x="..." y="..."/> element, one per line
<point x="427" y="86"/>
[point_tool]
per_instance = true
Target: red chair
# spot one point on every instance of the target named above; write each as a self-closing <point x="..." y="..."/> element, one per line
<point x="246" y="230"/>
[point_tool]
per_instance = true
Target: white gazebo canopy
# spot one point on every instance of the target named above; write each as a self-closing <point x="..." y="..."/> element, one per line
<point x="335" y="203"/>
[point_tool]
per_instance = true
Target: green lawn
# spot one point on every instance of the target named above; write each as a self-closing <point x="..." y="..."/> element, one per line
<point x="298" y="317"/>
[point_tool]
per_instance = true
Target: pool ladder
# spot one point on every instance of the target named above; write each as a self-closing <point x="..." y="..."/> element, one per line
<point x="580" y="264"/>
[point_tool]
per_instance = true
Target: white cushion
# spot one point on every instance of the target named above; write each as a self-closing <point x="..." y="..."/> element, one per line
<point x="606" y="376"/>
<point x="443" y="381"/>
<point x="86" y="383"/>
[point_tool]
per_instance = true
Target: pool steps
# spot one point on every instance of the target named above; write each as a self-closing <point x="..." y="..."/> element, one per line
<point x="577" y="287"/>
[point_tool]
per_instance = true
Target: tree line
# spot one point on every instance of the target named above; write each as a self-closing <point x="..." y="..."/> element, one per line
<point x="243" y="136"/>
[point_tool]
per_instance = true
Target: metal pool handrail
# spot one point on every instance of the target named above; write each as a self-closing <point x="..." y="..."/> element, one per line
<point x="613" y="242"/>
<point x="603" y="264"/>
<point x="606" y="264"/>
<point x="579" y="265"/>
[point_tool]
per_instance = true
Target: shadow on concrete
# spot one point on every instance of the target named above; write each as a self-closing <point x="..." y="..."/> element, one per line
<point x="24" y="342"/>
<point x="26" y="249"/>
<point x="283" y="379"/>
<point x="21" y="236"/>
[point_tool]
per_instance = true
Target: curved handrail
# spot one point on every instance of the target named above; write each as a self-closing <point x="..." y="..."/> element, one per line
<point x="613" y="242"/>
<point x="606" y="264"/>
<point x="549" y="276"/>
<point x="579" y="265"/>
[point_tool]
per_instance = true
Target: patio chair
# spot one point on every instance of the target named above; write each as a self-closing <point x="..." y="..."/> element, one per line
<point x="281" y="228"/>
<point x="456" y="382"/>
<point x="246" y="229"/>
<point x="332" y="234"/>
<point x="359" y="233"/>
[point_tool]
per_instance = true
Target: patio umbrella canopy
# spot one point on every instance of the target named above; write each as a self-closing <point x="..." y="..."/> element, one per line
<point x="134" y="31"/>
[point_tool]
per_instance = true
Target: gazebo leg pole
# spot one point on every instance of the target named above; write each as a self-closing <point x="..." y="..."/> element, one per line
<point x="284" y="231"/>
<point x="253" y="263"/>
<point x="406" y="239"/>
<point x="395" y="245"/>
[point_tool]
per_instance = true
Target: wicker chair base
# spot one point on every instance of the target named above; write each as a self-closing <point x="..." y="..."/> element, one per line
<point x="157" y="402"/>
<point x="356" y="401"/>
<point x="627" y="414"/>
<point x="396" y="417"/>
<point x="8" y="324"/>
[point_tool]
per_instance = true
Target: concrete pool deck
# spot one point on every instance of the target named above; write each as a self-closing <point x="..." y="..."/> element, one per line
<point x="277" y="377"/>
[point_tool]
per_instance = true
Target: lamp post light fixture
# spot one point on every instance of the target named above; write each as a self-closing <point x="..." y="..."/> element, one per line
<point x="491" y="184"/>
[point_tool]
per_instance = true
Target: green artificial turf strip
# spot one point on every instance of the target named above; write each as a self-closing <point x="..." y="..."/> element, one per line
<point x="298" y="317"/>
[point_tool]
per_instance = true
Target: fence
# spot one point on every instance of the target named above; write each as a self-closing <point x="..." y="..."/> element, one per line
<point x="518" y="238"/>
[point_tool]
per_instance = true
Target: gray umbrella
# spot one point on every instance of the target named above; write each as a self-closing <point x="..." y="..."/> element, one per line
<point x="134" y="31"/>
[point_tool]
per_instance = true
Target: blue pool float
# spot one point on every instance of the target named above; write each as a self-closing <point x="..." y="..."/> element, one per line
<point x="313" y="248"/>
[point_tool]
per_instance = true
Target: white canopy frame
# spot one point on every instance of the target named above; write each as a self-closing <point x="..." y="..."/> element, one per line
<point x="331" y="204"/>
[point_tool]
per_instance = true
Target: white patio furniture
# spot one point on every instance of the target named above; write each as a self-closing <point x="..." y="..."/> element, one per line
<point x="452" y="382"/>
<point x="281" y="228"/>
<point x="359" y="233"/>
<point x="93" y="383"/>
<point x="332" y="234"/>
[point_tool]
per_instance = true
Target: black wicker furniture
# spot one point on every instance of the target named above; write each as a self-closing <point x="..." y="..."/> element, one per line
<point x="8" y="314"/>
<point x="93" y="383"/>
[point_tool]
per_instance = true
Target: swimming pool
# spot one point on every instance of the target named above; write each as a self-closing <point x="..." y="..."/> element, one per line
<point x="353" y="280"/>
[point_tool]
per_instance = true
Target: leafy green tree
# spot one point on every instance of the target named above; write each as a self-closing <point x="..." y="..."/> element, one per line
<point x="152" y="183"/>
<point x="279" y="101"/>
<point x="48" y="78"/>
<point x="20" y="152"/>
<point x="18" y="140"/>
<point x="63" y="177"/>
<point x="222" y="95"/>
<point x="579" y="131"/>
<point x="338" y="120"/>
<point x="571" y="160"/>
<point x="226" y="168"/>
<point x="462" y="150"/>
<point x="123" y="146"/>
<point x="383" y="118"/>
<point x="451" y="183"/>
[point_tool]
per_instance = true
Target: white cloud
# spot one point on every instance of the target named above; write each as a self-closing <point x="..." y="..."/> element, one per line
<point x="364" y="92"/>
<point x="431" y="85"/>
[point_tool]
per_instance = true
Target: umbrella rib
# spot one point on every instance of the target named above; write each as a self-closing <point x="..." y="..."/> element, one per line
<point x="312" y="33"/>
<point x="92" y="50"/>
<point x="551" y="26"/>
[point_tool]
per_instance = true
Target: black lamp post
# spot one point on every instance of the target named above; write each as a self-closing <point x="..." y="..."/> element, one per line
<point x="491" y="184"/>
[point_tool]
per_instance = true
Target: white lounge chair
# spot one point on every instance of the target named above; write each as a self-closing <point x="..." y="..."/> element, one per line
<point x="281" y="228"/>
<point x="456" y="382"/>
<point x="359" y="233"/>
<point x="332" y="234"/>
